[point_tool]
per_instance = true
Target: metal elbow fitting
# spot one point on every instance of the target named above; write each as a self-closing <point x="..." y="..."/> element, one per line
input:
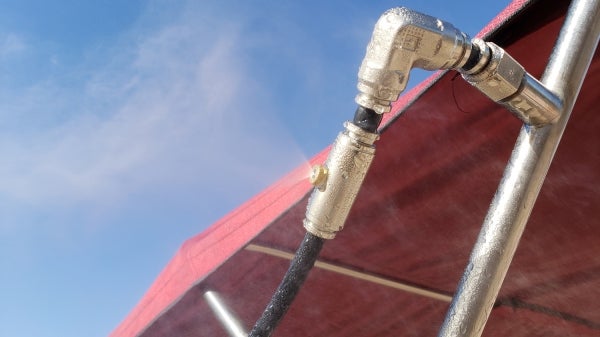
<point x="505" y="81"/>
<point x="338" y="181"/>
<point x="404" y="39"/>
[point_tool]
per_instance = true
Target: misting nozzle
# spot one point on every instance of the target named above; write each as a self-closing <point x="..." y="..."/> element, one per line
<point x="318" y="177"/>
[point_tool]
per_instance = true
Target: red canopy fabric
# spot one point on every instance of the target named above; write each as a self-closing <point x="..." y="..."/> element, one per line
<point x="408" y="237"/>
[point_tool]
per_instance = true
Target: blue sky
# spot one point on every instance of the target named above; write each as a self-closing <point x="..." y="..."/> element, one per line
<point x="128" y="126"/>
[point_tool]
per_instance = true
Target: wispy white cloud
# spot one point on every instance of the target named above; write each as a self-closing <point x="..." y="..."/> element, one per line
<point x="175" y="109"/>
<point x="11" y="44"/>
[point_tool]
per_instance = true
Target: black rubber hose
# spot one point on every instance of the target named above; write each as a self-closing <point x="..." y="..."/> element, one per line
<point x="301" y="264"/>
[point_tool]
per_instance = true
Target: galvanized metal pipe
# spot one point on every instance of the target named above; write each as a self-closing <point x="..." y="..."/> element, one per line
<point x="523" y="177"/>
<point x="228" y="319"/>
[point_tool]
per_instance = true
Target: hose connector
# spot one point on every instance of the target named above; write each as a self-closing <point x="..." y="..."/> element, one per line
<point x="402" y="40"/>
<point x="338" y="181"/>
<point x="505" y="81"/>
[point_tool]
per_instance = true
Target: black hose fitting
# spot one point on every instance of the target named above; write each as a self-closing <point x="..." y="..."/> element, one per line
<point x="473" y="59"/>
<point x="367" y="119"/>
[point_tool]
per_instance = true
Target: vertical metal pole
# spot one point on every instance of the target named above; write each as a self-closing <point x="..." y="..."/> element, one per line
<point x="230" y="322"/>
<point x="523" y="177"/>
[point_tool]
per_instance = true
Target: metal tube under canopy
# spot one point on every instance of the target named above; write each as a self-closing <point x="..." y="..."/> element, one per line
<point x="523" y="177"/>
